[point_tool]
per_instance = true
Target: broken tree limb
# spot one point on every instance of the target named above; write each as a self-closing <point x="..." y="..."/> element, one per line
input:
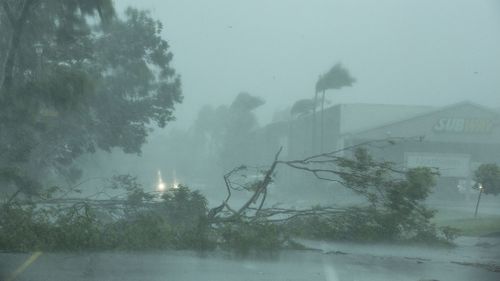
<point x="360" y="173"/>
<point x="261" y="189"/>
<point x="263" y="185"/>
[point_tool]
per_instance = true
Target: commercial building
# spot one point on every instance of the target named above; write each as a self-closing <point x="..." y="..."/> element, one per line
<point x="454" y="139"/>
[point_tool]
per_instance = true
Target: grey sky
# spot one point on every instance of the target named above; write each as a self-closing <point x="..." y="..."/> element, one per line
<point x="430" y="52"/>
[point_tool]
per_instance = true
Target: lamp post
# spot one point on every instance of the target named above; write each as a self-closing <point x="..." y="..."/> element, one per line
<point x="478" y="198"/>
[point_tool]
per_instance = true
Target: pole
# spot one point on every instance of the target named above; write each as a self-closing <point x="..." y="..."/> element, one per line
<point x="322" y="122"/>
<point x="313" y="144"/>
<point x="478" y="199"/>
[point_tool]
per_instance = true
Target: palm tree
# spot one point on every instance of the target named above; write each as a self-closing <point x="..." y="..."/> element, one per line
<point x="337" y="77"/>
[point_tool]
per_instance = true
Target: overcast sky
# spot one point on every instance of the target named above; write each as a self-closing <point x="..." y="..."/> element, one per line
<point x="427" y="52"/>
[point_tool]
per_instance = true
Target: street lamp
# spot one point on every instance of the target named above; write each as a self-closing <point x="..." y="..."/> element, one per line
<point x="480" y="187"/>
<point x="161" y="184"/>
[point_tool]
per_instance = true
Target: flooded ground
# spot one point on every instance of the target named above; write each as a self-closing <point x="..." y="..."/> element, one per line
<point x="472" y="259"/>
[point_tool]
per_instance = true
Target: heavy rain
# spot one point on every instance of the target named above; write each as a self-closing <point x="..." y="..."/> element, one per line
<point x="256" y="140"/>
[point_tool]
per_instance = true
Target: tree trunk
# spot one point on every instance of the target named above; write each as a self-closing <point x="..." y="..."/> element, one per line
<point x="15" y="39"/>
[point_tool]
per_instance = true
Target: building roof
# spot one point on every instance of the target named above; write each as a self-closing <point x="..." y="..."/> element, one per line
<point x="428" y="112"/>
<point x="358" y="116"/>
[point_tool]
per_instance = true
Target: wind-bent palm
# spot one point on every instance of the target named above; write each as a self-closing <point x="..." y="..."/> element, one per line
<point x="336" y="78"/>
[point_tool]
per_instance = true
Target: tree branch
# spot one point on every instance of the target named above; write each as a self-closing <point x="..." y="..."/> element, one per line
<point x="263" y="185"/>
<point x="367" y="178"/>
<point x="284" y="214"/>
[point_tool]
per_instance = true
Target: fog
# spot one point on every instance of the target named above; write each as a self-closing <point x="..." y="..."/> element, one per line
<point x="430" y="53"/>
<point x="250" y="140"/>
<point x="425" y="53"/>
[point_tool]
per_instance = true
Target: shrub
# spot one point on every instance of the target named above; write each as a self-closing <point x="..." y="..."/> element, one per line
<point x="146" y="231"/>
<point x="244" y="237"/>
<point x="20" y="228"/>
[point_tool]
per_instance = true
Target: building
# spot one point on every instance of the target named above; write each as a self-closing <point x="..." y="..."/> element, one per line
<point x="454" y="139"/>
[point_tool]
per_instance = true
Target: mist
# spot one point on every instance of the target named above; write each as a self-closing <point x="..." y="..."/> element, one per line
<point x="256" y="140"/>
<point x="425" y="53"/>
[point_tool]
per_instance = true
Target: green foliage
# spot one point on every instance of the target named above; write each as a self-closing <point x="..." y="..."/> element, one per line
<point x="76" y="229"/>
<point x="246" y="102"/>
<point x="146" y="231"/>
<point x="244" y="237"/>
<point x="179" y="218"/>
<point x="21" y="228"/>
<point x="356" y="224"/>
<point x="224" y="130"/>
<point x="183" y="206"/>
<point x="178" y="221"/>
<point x="488" y="175"/>
<point x="336" y="78"/>
<point x="14" y="176"/>
<point x="187" y="211"/>
<point x="370" y="225"/>
<point x="135" y="192"/>
<point x="26" y="228"/>
<point x="470" y="226"/>
<point x="396" y="211"/>
<point x="76" y="85"/>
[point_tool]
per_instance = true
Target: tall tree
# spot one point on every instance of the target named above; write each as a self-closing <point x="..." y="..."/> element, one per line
<point x="76" y="86"/>
<point x="488" y="175"/>
<point x="487" y="178"/>
<point x="336" y="78"/>
<point x="226" y="129"/>
<point x="69" y="15"/>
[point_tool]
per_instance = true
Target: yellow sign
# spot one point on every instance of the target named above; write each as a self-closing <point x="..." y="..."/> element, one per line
<point x="463" y="125"/>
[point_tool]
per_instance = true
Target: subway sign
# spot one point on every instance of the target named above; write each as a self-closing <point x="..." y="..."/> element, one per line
<point x="463" y="125"/>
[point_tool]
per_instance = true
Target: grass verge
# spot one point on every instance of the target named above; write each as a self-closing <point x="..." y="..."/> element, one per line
<point x="482" y="225"/>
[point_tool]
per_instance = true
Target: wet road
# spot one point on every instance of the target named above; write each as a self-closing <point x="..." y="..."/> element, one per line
<point x="346" y="262"/>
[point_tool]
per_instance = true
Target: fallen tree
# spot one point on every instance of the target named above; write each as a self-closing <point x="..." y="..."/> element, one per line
<point x="124" y="216"/>
<point x="394" y="197"/>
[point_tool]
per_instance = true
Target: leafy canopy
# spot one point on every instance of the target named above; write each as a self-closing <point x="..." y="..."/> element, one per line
<point x="488" y="175"/>
<point x="337" y="77"/>
<point x="77" y="85"/>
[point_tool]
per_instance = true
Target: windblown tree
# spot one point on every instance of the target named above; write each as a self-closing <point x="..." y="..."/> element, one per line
<point x="487" y="178"/>
<point x="488" y="175"/>
<point x="226" y="129"/>
<point x="302" y="107"/>
<point x="336" y="78"/>
<point x="22" y="21"/>
<point x="395" y="208"/>
<point x="72" y="85"/>
<point x="240" y="123"/>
